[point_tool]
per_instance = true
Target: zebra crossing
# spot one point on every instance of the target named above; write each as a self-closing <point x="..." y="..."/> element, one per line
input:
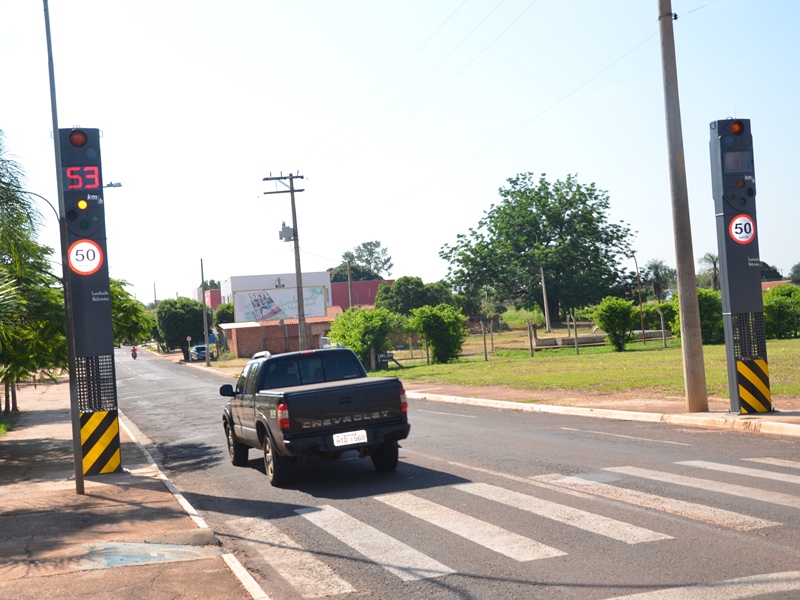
<point x="315" y="578"/>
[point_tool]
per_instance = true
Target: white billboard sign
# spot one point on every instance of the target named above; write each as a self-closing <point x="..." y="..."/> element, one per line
<point x="278" y="303"/>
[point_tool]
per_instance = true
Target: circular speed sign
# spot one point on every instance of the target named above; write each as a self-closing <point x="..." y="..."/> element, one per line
<point x="742" y="229"/>
<point x="85" y="257"/>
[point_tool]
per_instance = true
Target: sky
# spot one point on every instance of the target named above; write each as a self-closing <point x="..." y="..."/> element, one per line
<point x="404" y="118"/>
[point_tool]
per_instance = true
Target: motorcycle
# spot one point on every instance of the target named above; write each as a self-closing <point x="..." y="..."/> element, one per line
<point x="133" y="354"/>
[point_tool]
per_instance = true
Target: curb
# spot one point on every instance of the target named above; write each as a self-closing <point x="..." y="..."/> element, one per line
<point x="711" y="420"/>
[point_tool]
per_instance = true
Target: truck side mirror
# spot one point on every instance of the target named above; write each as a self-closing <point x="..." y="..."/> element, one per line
<point x="227" y="390"/>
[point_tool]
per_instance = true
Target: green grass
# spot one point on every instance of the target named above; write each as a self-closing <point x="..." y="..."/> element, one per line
<point x="651" y="368"/>
<point x="6" y="425"/>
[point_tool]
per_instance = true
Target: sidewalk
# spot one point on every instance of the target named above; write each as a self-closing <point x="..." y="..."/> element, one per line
<point x="131" y="535"/>
<point x="128" y="536"/>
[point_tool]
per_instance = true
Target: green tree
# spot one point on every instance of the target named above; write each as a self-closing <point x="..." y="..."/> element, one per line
<point x="659" y="277"/>
<point x="616" y="318"/>
<point x="364" y="331"/>
<point x="561" y="228"/>
<point x="130" y="319"/>
<point x="357" y="273"/>
<point x="211" y="284"/>
<point x="223" y="314"/>
<point x="178" y="319"/>
<point x="710" y="264"/>
<point x="408" y="293"/>
<point x="794" y="274"/>
<point x="444" y="328"/>
<point x="372" y="256"/>
<point x="769" y="273"/>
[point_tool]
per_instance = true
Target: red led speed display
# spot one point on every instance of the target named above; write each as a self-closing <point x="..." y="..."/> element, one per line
<point x="82" y="178"/>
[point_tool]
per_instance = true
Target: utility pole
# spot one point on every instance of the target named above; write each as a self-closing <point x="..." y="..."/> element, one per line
<point x="694" y="374"/>
<point x="205" y="315"/>
<point x="301" y="316"/>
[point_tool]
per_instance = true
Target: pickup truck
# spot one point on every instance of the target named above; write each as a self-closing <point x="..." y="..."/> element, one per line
<point x="313" y="402"/>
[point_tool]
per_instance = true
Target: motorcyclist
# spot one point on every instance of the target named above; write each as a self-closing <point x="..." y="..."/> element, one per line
<point x="133" y="352"/>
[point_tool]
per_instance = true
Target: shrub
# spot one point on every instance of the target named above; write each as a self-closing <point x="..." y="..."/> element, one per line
<point x="781" y="316"/>
<point x="711" y="327"/>
<point x="615" y="316"/>
<point x="443" y="327"/>
<point x="364" y="330"/>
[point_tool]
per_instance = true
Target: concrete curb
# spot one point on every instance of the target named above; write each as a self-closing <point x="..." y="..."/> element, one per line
<point x="749" y="423"/>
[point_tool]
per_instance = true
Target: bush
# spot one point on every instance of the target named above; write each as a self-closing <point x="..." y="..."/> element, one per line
<point x="364" y="330"/>
<point x="652" y="320"/>
<point x="781" y="316"/>
<point x="712" y="330"/>
<point x="615" y="316"/>
<point x="444" y="328"/>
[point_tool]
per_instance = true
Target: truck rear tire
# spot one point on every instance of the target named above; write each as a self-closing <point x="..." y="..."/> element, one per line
<point x="237" y="451"/>
<point x="384" y="459"/>
<point x="276" y="466"/>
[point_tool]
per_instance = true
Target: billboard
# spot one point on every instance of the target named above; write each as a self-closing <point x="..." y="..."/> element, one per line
<point x="278" y="303"/>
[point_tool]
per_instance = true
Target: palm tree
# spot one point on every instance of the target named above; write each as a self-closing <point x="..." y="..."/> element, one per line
<point x="659" y="276"/>
<point x="711" y="262"/>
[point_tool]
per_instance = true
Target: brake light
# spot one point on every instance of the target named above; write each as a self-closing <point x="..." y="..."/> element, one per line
<point x="403" y="401"/>
<point x="283" y="416"/>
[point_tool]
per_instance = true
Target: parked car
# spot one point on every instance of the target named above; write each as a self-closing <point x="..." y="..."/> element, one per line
<point x="197" y="353"/>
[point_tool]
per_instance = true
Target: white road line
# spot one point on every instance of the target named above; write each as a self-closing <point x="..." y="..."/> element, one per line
<point x="778" y="462"/>
<point x="489" y="536"/>
<point x="711" y="486"/>
<point x="711" y="466"/>
<point x="630" y="437"/>
<point x="434" y="412"/>
<point x="681" y="508"/>
<point x="396" y="557"/>
<point x="732" y="589"/>
<point x="624" y="532"/>
<point x="311" y="577"/>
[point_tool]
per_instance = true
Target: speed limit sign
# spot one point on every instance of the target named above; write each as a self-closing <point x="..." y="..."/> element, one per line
<point x="85" y="257"/>
<point x="742" y="229"/>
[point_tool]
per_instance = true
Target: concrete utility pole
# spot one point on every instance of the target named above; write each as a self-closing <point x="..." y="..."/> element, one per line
<point x="301" y="313"/>
<point x="694" y="374"/>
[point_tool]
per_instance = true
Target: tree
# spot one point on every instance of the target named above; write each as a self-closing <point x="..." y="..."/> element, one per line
<point x="372" y="256"/>
<point x="408" y="293"/>
<point x="130" y="320"/>
<point x="211" y="284"/>
<point x="178" y="319"/>
<point x="561" y="228"/>
<point x="770" y="273"/>
<point x="794" y="274"/>
<point x="711" y="263"/>
<point x="658" y="276"/>
<point x="357" y="273"/>
<point x="444" y="329"/>
<point x="364" y="331"/>
<point x="223" y="314"/>
<point x="615" y="317"/>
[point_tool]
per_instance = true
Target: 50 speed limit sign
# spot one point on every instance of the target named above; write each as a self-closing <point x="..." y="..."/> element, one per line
<point x="742" y="229"/>
<point x="85" y="257"/>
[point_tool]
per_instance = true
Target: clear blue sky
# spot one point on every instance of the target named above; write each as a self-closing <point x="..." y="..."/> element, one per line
<point x="405" y="117"/>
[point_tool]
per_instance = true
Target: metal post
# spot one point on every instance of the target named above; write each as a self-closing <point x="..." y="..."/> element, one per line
<point x="546" y="308"/>
<point x="694" y="374"/>
<point x="62" y="222"/>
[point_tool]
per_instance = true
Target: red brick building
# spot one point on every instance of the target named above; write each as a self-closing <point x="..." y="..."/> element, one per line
<point x="363" y="293"/>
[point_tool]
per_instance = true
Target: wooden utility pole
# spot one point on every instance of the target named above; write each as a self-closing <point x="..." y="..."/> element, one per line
<point x="301" y="316"/>
<point x="694" y="374"/>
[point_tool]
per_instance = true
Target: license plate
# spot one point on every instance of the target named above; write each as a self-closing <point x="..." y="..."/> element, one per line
<point x="351" y="437"/>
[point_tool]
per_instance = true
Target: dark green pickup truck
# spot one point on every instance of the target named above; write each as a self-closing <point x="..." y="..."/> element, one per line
<point x="314" y="402"/>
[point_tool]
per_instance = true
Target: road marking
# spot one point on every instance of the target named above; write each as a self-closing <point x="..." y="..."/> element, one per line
<point x="711" y="466"/>
<point x="681" y="508"/>
<point x="629" y="437"/>
<point x="711" y="486"/>
<point x="434" y="412"/>
<point x="732" y="589"/>
<point x="624" y="532"/>
<point x="311" y="577"/>
<point x="393" y="555"/>
<point x="778" y="462"/>
<point x="489" y="536"/>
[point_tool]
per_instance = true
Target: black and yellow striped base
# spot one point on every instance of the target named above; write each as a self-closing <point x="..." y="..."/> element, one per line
<point x="100" y="442"/>
<point x="753" y="379"/>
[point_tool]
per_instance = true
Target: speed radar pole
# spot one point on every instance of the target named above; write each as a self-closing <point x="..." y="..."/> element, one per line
<point x="694" y="374"/>
<point x="733" y="185"/>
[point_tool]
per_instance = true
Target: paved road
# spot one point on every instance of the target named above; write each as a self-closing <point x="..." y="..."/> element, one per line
<point x="490" y="504"/>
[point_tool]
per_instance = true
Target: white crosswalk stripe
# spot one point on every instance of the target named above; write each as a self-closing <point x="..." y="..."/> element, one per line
<point x="480" y="532"/>
<point x="393" y="555"/>
<point x="681" y="508"/>
<point x="711" y="486"/>
<point x="731" y="589"/>
<point x="778" y="462"/>
<point x="625" y="532"/>
<point x="311" y="577"/>
<point x="748" y="471"/>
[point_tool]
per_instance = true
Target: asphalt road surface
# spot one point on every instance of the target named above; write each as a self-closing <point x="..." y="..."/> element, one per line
<point x="488" y="503"/>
